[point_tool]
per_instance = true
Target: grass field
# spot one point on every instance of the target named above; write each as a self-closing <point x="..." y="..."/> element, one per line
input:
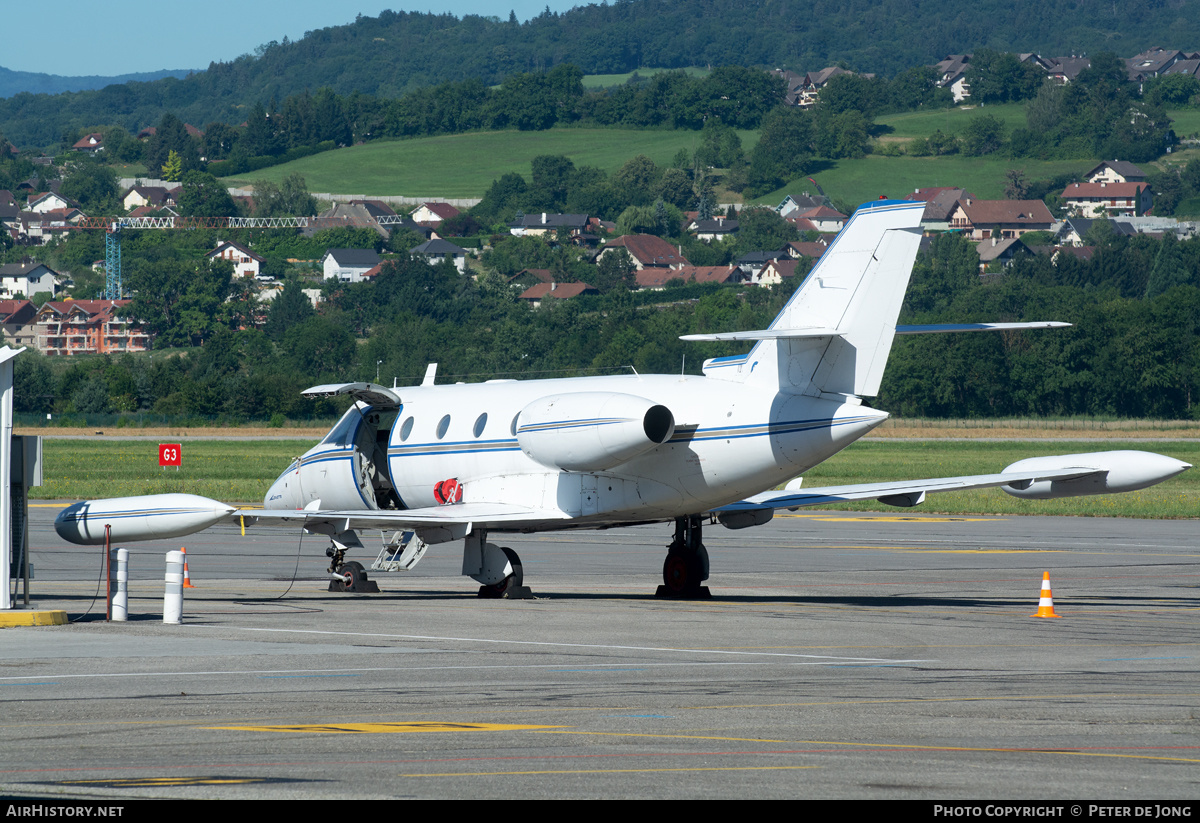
<point x="464" y="165"/>
<point x="241" y="473"/>
<point x="909" y="124"/>
<point x="1186" y="122"/>
<point x="852" y="182"/>
<point x="606" y="81"/>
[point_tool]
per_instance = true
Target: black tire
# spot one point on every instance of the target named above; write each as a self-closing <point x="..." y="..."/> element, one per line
<point x="682" y="572"/>
<point x="353" y="574"/>
<point x="509" y="583"/>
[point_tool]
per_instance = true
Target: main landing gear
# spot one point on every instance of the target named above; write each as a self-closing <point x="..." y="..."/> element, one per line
<point x="497" y="568"/>
<point x="686" y="566"/>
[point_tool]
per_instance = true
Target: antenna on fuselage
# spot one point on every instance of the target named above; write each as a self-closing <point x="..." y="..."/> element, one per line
<point x="430" y="374"/>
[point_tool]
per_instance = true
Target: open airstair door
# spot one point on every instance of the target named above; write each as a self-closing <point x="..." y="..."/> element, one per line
<point x="355" y="449"/>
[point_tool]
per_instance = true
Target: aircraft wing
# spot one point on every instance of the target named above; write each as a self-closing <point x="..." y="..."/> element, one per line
<point x="897" y="493"/>
<point x="435" y="524"/>
<point x="1038" y="478"/>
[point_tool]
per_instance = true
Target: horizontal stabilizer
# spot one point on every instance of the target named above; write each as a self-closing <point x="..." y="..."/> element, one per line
<point x="943" y="328"/>
<point x="762" y="334"/>
<point x="937" y="328"/>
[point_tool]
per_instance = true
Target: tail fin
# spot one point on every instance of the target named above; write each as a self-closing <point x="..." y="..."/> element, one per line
<point x="833" y="337"/>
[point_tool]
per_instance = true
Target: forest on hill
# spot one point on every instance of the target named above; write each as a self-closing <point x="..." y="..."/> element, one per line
<point x="399" y="52"/>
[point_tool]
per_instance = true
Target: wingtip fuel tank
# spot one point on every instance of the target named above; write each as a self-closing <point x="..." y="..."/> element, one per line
<point x="146" y="517"/>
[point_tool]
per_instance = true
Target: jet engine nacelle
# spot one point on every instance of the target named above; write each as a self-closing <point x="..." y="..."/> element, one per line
<point x="592" y="431"/>
<point x="1116" y="471"/>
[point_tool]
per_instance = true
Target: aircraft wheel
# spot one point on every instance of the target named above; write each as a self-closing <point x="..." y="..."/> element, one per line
<point x="682" y="573"/>
<point x="353" y="575"/>
<point x="509" y="583"/>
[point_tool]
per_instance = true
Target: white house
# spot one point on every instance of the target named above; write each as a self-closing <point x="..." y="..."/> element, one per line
<point x="27" y="279"/>
<point x="349" y="265"/>
<point x="245" y="262"/>
<point x="435" y="251"/>
<point x="48" y="202"/>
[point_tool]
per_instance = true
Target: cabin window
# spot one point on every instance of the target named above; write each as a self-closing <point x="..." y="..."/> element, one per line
<point x="406" y="429"/>
<point x="480" y="423"/>
<point x="443" y="425"/>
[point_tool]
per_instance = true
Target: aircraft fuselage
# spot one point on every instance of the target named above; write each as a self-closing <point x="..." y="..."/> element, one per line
<point x="728" y="441"/>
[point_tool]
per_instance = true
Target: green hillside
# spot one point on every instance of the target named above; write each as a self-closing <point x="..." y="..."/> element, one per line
<point x="464" y="165"/>
<point x="851" y="182"/>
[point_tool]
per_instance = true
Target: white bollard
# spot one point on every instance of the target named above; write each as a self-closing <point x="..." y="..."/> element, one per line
<point x="118" y="592"/>
<point x="173" y="599"/>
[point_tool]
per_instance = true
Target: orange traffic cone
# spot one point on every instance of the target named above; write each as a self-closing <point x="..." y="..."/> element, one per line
<point x="1045" y="604"/>
<point x="187" y="579"/>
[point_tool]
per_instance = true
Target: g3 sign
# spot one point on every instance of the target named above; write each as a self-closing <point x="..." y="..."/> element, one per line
<point x="170" y="454"/>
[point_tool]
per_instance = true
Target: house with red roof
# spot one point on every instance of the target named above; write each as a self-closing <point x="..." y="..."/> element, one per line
<point x="557" y="291"/>
<point x="647" y="250"/>
<point x="656" y="279"/>
<point x="86" y="327"/>
<point x="985" y="219"/>
<point x="1108" y="199"/>
<point x="90" y="143"/>
<point x="432" y="214"/>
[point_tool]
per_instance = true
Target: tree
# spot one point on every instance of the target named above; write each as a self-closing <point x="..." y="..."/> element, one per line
<point x="551" y="174"/>
<point x="203" y="195"/>
<point x="173" y="168"/>
<point x="290" y="198"/>
<point x="171" y="135"/>
<point x="93" y="185"/>
<point x="984" y="134"/>
<point x="999" y="77"/>
<point x="289" y="309"/>
<point x="1016" y="187"/>
<point x="784" y="150"/>
<point x="180" y="303"/>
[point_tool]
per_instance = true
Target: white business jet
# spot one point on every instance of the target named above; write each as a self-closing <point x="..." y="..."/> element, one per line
<point x="464" y="462"/>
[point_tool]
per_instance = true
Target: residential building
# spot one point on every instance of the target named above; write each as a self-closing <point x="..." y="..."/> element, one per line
<point x="27" y="279"/>
<point x="16" y="318"/>
<point x="715" y="228"/>
<point x="776" y="271"/>
<point x="245" y="262"/>
<point x="940" y="202"/>
<point x="647" y="250"/>
<point x="432" y="214"/>
<point x="86" y="327"/>
<point x="539" y="225"/>
<point x="984" y="219"/>
<point x="1111" y="199"/>
<point x="952" y="74"/>
<point x="656" y="278"/>
<point x="435" y="251"/>
<point x="796" y="203"/>
<point x="558" y="291"/>
<point x="999" y="252"/>
<point x="155" y="196"/>
<point x="349" y="265"/>
<point x="1074" y="230"/>
<point x="48" y="201"/>
<point x="90" y="144"/>
<point x="1115" y="171"/>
